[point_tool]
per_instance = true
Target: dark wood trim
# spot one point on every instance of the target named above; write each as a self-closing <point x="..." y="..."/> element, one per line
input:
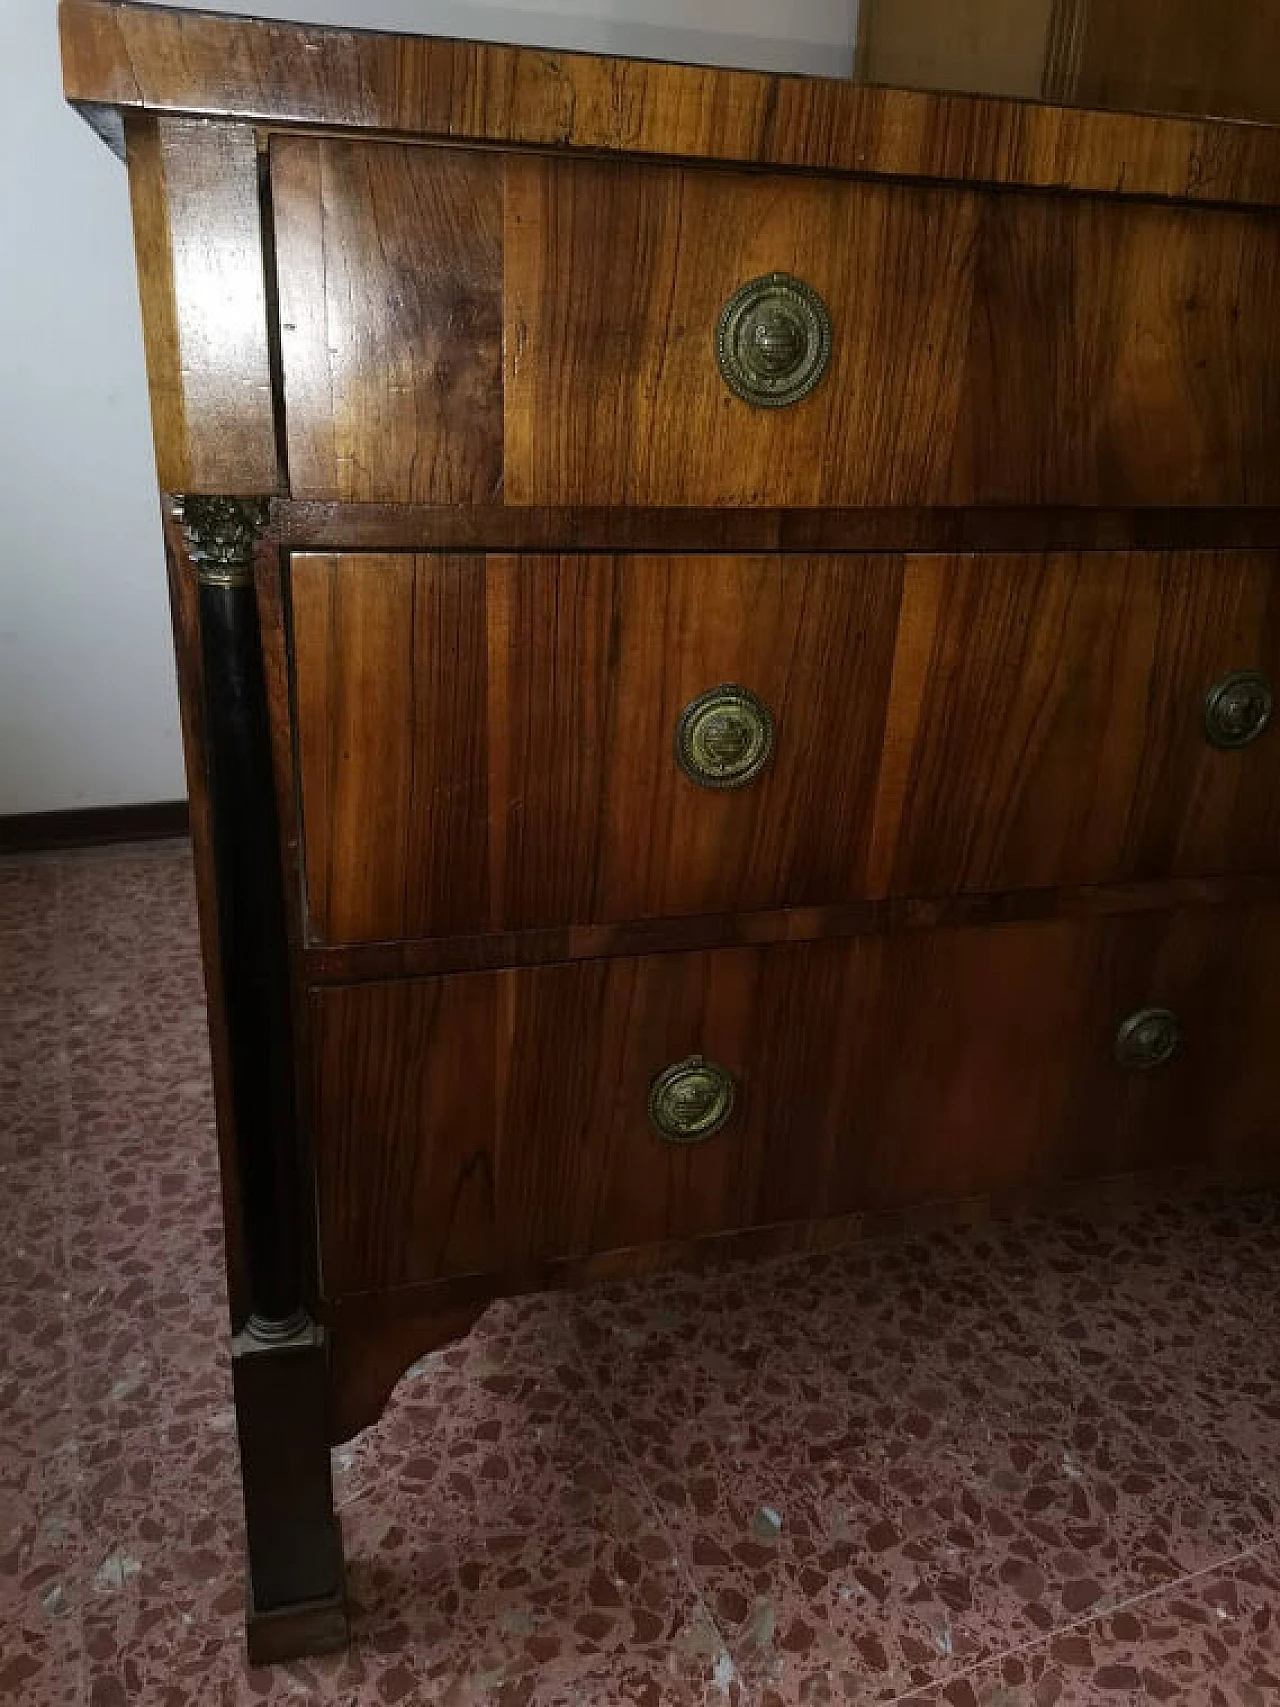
<point x="279" y="1360"/>
<point x="93" y="826"/>
<point x="376" y="1336"/>
<point x="779" y="1239"/>
<point x="295" y="1632"/>
<point x="160" y="60"/>
<point x="271" y="592"/>
<point x="308" y="525"/>
<point x="249" y="903"/>
<point x="184" y="609"/>
<point x="366" y="1362"/>
<point x="371" y="962"/>
<point x="297" y="1599"/>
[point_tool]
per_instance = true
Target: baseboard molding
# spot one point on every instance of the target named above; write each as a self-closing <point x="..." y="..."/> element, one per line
<point x="91" y="826"/>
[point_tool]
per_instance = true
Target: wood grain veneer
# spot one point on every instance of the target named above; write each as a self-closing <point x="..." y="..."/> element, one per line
<point x="502" y="730"/>
<point x="390" y="283"/>
<point x="892" y="914"/>
<point x="1046" y="726"/>
<point x="375" y="1336"/>
<point x="125" y="56"/>
<point x="461" y="515"/>
<point x="198" y="236"/>
<point x="988" y="349"/>
<point x="495" y="1121"/>
<point x="496" y="527"/>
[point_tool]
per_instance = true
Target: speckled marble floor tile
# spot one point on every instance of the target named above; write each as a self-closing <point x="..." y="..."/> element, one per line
<point x="1031" y="1462"/>
<point x="1212" y="1641"/>
<point x="32" y="1026"/>
<point x="874" y="1530"/>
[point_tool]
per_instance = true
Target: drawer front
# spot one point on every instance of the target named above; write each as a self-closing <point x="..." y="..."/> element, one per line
<point x="461" y="327"/>
<point x="1050" y="721"/>
<point x="499" y="1120"/>
<point x="490" y="743"/>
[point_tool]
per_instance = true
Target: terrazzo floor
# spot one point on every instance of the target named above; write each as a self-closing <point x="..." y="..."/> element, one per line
<point x="1035" y="1462"/>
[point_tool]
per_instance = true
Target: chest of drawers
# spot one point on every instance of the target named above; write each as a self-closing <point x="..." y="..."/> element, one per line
<point x="726" y="628"/>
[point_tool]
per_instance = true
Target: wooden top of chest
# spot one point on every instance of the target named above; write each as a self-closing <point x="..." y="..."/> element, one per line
<point x="119" y="56"/>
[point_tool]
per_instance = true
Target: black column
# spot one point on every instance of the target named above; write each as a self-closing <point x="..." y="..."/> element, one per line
<point x="278" y="1359"/>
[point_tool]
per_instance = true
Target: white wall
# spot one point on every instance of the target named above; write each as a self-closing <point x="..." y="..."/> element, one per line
<point x="88" y="712"/>
<point x="87" y="708"/>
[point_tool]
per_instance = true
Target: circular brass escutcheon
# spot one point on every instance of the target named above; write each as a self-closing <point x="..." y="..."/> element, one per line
<point x="1147" y="1039"/>
<point x="1238" y="708"/>
<point x="690" y="1100"/>
<point x="773" y="342"/>
<point x="724" y="738"/>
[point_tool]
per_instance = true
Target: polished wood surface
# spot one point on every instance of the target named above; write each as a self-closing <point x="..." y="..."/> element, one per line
<point x="481" y="952"/>
<point x="469" y="517"/>
<point x="1047" y="722"/>
<point x="497" y="1121"/>
<point x="987" y="349"/>
<point x="1036" y="350"/>
<point x="389" y="265"/>
<point x="376" y="1337"/>
<point x="328" y="526"/>
<point x="1045" y="352"/>
<point x="502" y="730"/>
<point x="197" y="232"/>
<point x="125" y="57"/>
<point x="367" y="1359"/>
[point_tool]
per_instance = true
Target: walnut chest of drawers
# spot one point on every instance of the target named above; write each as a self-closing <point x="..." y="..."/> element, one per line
<point x="726" y="628"/>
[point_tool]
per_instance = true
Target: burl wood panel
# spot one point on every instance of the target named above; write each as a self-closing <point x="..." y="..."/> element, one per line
<point x="124" y="56"/>
<point x="1046" y="724"/>
<point x="389" y="265"/>
<point x="487" y="743"/>
<point x="197" y="232"/>
<point x="496" y="1122"/>
<point x="988" y="348"/>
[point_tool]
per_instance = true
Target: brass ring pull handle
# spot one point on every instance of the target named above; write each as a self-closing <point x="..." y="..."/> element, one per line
<point x="724" y="738"/>
<point x="1147" y="1039"/>
<point x="1237" y="709"/>
<point x="690" y="1100"/>
<point x="773" y="342"/>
